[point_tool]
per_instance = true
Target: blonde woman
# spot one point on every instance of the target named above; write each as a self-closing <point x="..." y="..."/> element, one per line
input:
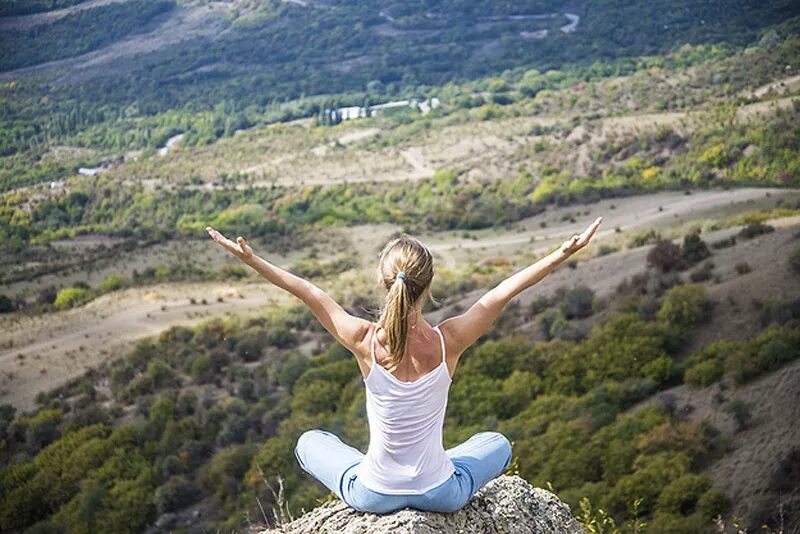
<point x="407" y="366"/>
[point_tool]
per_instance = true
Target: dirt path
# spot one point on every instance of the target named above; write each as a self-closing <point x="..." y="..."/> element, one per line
<point x="414" y="158"/>
<point x="631" y="215"/>
<point x="778" y="87"/>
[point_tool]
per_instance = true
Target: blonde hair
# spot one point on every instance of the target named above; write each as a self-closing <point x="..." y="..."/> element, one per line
<point x="407" y="257"/>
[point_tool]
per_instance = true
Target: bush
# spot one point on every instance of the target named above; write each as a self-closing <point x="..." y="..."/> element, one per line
<point x="176" y="493"/>
<point x="605" y="250"/>
<point x="666" y="256"/>
<point x="694" y="249"/>
<point x="659" y="369"/>
<point x="281" y="337"/>
<point x="794" y="261"/>
<point x="202" y="369"/>
<point x="713" y="503"/>
<point x="704" y="373"/>
<point x="685" y="306"/>
<point x="755" y="229"/>
<point x="6" y="304"/>
<point x="763" y="353"/>
<point x="724" y="243"/>
<point x="681" y="495"/>
<point x="42" y="429"/>
<point x="159" y="373"/>
<point x="563" y="328"/>
<point x="641" y="240"/>
<point x="225" y="471"/>
<point x="578" y="302"/>
<point x="703" y="273"/>
<point x="250" y="346"/>
<point x="70" y="297"/>
<point x="112" y="283"/>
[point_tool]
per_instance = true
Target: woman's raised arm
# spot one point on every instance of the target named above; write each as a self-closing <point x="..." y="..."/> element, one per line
<point x="465" y="329"/>
<point x="349" y="330"/>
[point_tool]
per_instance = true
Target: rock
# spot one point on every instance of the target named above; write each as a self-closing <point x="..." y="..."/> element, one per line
<point x="507" y="504"/>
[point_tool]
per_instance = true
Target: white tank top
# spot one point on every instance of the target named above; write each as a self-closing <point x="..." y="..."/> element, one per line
<point x="405" y="454"/>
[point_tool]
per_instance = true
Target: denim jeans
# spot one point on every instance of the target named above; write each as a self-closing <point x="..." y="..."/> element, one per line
<point x="477" y="461"/>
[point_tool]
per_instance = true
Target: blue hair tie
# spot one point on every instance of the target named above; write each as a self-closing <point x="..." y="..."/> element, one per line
<point x="401" y="275"/>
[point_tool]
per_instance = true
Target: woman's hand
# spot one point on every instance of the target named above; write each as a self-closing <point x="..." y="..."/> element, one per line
<point x="240" y="249"/>
<point x="577" y="242"/>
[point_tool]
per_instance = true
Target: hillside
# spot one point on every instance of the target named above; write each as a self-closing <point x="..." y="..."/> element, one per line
<point x="152" y="383"/>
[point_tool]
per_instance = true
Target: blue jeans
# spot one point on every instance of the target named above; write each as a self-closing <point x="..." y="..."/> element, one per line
<point x="477" y="461"/>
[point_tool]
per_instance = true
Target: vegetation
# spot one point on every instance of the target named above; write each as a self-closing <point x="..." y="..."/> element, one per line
<point x="253" y="392"/>
<point x="78" y="33"/>
<point x="199" y="414"/>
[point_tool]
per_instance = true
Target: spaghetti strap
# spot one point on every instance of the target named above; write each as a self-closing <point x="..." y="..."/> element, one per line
<point x="441" y="337"/>
<point x="374" y="335"/>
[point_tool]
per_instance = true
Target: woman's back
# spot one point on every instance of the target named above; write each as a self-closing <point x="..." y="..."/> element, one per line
<point x="424" y="352"/>
<point x="405" y="454"/>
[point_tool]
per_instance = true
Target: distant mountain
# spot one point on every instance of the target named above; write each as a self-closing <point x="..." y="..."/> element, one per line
<point x="166" y="54"/>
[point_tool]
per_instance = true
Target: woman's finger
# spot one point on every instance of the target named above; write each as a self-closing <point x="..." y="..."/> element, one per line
<point x="222" y="240"/>
<point x="589" y="232"/>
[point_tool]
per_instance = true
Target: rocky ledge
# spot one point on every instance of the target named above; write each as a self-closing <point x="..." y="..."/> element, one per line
<point x="507" y="504"/>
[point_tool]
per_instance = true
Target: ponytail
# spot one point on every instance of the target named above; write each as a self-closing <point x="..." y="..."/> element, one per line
<point x="395" y="319"/>
<point x="405" y="270"/>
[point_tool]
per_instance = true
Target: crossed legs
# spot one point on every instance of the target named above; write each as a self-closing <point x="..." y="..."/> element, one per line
<point x="477" y="461"/>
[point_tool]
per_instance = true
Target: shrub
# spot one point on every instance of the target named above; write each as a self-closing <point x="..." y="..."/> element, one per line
<point x="563" y="328"/>
<point x="763" y="353"/>
<point x="755" y="229"/>
<point x="225" y="471"/>
<point x="703" y="273"/>
<point x="202" y="369"/>
<point x="159" y="373"/>
<point x="704" y="373"/>
<point x="713" y="503"/>
<point x="281" y="337"/>
<point x="681" y="495"/>
<point x="70" y="297"/>
<point x="316" y="398"/>
<point x="6" y="304"/>
<point x="121" y="374"/>
<point x="42" y="429"/>
<point x="641" y="240"/>
<point x="651" y="473"/>
<point x="666" y="256"/>
<point x="724" y="243"/>
<point x="250" y="345"/>
<point x="546" y="319"/>
<point x="659" y="369"/>
<point x="578" y="302"/>
<point x="794" y="261"/>
<point x="685" y="306"/>
<point x="112" y="283"/>
<point x="175" y="494"/>
<point x="605" y="250"/>
<point x="694" y="248"/>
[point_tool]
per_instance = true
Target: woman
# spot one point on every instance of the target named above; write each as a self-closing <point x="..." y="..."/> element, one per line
<point x="407" y="366"/>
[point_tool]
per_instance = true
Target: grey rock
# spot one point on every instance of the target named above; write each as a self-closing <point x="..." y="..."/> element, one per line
<point x="507" y="504"/>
